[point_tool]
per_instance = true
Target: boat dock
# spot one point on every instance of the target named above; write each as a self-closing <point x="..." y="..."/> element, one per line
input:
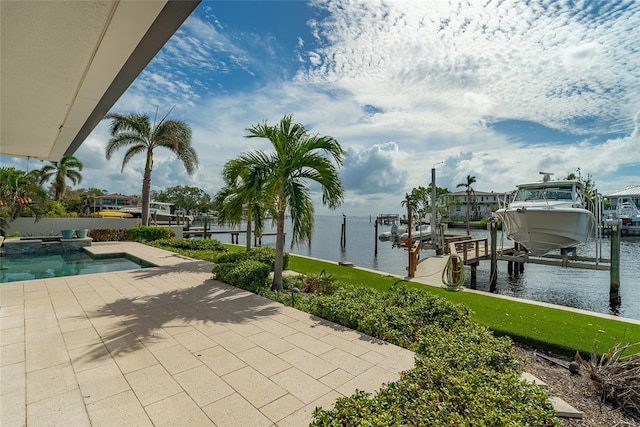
<point x="207" y="234"/>
<point x="460" y="251"/>
<point x="388" y="219"/>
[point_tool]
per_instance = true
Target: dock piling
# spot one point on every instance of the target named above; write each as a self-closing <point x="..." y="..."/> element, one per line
<point x="493" y="280"/>
<point x="614" y="276"/>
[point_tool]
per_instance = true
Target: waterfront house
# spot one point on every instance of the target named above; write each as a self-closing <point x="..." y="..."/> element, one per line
<point x="114" y="201"/>
<point x="631" y="193"/>
<point x="482" y="204"/>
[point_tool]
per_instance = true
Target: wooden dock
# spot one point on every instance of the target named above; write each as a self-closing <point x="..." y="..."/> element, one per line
<point x="207" y="234"/>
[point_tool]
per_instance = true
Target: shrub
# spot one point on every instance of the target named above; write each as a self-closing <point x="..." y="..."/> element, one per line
<point x="144" y="233"/>
<point x="246" y="274"/>
<point x="398" y="316"/>
<point x="191" y="244"/>
<point x="108" y="235"/>
<point x="464" y="376"/>
<point x="264" y="254"/>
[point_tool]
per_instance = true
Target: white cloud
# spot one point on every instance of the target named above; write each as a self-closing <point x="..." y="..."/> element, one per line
<point x="404" y="85"/>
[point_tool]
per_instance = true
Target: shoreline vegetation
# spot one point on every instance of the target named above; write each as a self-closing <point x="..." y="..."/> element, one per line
<point x="548" y="328"/>
<point x="467" y="371"/>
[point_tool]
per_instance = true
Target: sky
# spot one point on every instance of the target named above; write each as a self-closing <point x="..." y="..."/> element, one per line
<point x="499" y="90"/>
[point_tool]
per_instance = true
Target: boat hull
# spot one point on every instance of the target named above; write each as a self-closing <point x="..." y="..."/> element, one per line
<point x="111" y="214"/>
<point x="542" y="230"/>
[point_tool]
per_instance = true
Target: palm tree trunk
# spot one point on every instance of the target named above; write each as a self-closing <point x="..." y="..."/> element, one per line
<point x="278" y="264"/>
<point x="146" y="190"/>
<point x="468" y="207"/>
<point x="248" y="231"/>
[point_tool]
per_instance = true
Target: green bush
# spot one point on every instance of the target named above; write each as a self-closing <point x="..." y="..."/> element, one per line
<point x="145" y="233"/>
<point x="108" y="235"/>
<point x="264" y="254"/>
<point x="246" y="274"/>
<point x="191" y="244"/>
<point x="431" y="394"/>
<point x="398" y="316"/>
<point x="464" y="376"/>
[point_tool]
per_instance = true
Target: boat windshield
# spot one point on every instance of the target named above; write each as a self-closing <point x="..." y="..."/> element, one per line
<point x="562" y="192"/>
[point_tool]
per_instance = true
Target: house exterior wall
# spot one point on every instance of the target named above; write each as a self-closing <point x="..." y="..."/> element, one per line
<point x="482" y="204"/>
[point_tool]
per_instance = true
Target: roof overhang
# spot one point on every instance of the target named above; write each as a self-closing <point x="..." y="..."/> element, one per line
<point x="65" y="63"/>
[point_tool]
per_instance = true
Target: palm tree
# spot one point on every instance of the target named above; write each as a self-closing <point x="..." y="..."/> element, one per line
<point x="20" y="193"/>
<point x="239" y="199"/>
<point x="68" y="167"/>
<point x="136" y="132"/>
<point x="282" y="176"/>
<point x="470" y="180"/>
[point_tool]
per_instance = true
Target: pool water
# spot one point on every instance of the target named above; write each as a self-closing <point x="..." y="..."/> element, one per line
<point x="30" y="267"/>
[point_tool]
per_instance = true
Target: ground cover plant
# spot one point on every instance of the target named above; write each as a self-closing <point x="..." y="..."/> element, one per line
<point x="204" y="249"/>
<point x="464" y="376"/>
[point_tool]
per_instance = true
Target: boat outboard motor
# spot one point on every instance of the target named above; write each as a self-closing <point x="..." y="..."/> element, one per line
<point x="394" y="233"/>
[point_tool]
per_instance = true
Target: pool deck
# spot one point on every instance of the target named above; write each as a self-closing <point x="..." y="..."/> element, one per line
<point x="169" y="345"/>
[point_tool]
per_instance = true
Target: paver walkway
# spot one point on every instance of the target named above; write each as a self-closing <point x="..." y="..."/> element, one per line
<point x="171" y="346"/>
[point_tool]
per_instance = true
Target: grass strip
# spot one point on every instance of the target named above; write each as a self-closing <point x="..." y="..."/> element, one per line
<point x="554" y="329"/>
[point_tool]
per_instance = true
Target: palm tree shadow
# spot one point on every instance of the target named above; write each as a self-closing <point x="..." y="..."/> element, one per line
<point x="144" y="320"/>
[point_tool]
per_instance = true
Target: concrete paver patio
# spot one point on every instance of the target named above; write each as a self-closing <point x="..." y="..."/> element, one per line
<point x="169" y="345"/>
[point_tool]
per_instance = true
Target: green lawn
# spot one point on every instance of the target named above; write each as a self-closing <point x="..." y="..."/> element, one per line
<point x="548" y="328"/>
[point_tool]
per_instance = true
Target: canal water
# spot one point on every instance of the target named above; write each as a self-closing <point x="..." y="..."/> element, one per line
<point x="578" y="288"/>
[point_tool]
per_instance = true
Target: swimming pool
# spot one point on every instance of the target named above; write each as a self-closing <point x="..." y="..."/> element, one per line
<point x="30" y="267"/>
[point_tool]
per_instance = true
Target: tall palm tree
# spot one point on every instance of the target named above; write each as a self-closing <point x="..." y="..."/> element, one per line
<point x="467" y="185"/>
<point x="68" y="167"/>
<point x="136" y="132"/>
<point x="282" y="176"/>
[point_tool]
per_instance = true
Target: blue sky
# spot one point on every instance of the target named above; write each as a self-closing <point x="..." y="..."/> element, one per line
<point x="496" y="89"/>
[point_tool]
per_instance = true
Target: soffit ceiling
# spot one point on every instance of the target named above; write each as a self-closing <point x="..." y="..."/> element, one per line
<point x="65" y="63"/>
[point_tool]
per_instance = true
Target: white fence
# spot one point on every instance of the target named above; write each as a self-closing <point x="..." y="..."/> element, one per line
<point x="52" y="226"/>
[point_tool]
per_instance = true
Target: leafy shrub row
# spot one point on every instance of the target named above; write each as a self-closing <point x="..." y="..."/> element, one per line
<point x="192" y="244"/>
<point x="145" y="233"/>
<point x="246" y="274"/>
<point x="247" y="269"/>
<point x="264" y="254"/>
<point x="464" y="376"/>
<point x="108" y="235"/>
<point x="138" y="234"/>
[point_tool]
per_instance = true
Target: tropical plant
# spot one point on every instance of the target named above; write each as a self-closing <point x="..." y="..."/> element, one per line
<point x="241" y="198"/>
<point x="136" y="132"/>
<point x="467" y="185"/>
<point x="20" y="194"/>
<point x="68" y="167"/>
<point x="281" y="176"/>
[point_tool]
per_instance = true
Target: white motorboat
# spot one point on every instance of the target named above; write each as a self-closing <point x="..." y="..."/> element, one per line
<point x="397" y="235"/>
<point x="548" y="215"/>
<point x="158" y="211"/>
<point x="627" y="211"/>
<point x="420" y="232"/>
<point x="393" y="235"/>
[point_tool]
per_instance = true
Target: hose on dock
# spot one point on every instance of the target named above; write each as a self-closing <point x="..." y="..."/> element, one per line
<point x="448" y="272"/>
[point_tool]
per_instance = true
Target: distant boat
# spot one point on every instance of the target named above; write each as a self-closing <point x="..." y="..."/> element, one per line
<point x="548" y="215"/>
<point x="420" y="232"/>
<point x="627" y="211"/>
<point x="111" y="214"/>
<point x="393" y="235"/>
<point x="160" y="211"/>
<point x="396" y="235"/>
